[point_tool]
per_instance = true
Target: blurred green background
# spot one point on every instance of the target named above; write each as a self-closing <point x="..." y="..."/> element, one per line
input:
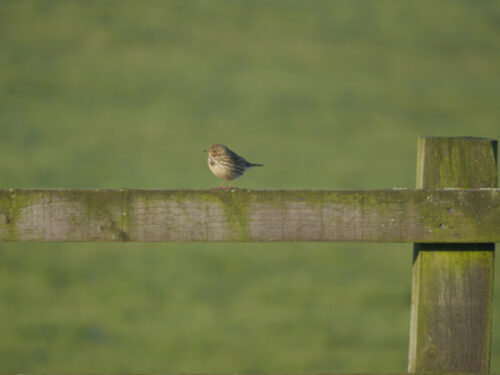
<point x="327" y="94"/>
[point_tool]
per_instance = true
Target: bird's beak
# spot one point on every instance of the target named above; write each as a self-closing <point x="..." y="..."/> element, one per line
<point x="204" y="150"/>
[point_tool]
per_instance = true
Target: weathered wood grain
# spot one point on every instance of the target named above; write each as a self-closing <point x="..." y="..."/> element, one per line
<point x="399" y="215"/>
<point x="453" y="283"/>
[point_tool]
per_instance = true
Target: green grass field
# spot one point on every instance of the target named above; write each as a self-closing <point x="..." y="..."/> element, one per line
<point x="326" y="94"/>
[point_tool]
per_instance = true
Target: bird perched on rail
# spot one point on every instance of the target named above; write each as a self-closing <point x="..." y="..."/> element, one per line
<point x="227" y="164"/>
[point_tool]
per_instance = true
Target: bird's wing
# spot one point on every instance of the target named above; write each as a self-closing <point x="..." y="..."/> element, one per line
<point x="235" y="158"/>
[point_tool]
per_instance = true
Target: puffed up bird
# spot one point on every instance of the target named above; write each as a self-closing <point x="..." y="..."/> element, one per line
<point x="227" y="164"/>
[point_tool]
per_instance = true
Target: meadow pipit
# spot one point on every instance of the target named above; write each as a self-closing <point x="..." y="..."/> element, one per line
<point x="226" y="164"/>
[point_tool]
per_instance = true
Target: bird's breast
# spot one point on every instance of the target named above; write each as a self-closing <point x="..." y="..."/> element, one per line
<point x="221" y="171"/>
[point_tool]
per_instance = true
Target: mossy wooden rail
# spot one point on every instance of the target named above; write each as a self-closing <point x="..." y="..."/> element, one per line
<point x="453" y="217"/>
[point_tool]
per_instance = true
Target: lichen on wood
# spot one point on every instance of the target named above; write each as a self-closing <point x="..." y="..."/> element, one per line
<point x="452" y="284"/>
<point x="396" y="215"/>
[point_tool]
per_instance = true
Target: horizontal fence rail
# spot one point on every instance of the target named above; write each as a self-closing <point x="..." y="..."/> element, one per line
<point x="398" y="215"/>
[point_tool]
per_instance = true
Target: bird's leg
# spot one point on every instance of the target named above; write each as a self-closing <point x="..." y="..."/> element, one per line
<point x="231" y="185"/>
<point x="221" y="185"/>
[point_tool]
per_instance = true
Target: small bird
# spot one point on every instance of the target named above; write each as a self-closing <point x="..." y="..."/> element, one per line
<point x="226" y="164"/>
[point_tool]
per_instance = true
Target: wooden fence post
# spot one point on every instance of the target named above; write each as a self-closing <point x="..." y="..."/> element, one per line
<point x="452" y="284"/>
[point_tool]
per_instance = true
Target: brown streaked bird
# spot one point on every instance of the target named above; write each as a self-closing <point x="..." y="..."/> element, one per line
<point x="227" y="164"/>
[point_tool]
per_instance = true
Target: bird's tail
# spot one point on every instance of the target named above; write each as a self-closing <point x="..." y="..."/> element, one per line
<point x="255" y="165"/>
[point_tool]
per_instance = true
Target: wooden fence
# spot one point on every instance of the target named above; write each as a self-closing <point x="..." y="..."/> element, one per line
<point x="453" y="219"/>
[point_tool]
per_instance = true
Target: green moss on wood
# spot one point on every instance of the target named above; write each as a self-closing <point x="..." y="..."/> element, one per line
<point x="457" y="283"/>
<point x="457" y="162"/>
<point x="452" y="288"/>
<point x="235" y="206"/>
<point x="11" y="203"/>
<point x="191" y="215"/>
<point x="109" y="208"/>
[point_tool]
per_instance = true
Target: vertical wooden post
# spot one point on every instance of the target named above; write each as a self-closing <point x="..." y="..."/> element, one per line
<point x="452" y="284"/>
